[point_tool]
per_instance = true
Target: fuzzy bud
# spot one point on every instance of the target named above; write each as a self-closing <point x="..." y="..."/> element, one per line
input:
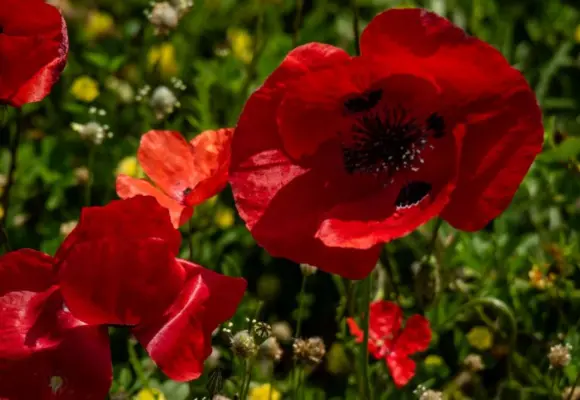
<point x="163" y="102"/>
<point x="164" y="17"/>
<point x="474" y="363"/>
<point x="243" y="345"/>
<point x="310" y="351"/>
<point x="282" y="331"/>
<point x="271" y="349"/>
<point x="431" y="395"/>
<point x="559" y="355"/>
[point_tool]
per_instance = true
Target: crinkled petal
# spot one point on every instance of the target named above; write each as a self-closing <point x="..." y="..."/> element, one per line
<point x="33" y="50"/>
<point x="128" y="187"/>
<point x="169" y="160"/>
<point x="212" y="152"/>
<point x="180" y="342"/>
<point x="402" y="368"/>
<point x="504" y="129"/>
<point x="126" y="282"/>
<point x="140" y="217"/>
<point x="26" y="270"/>
<point x="415" y="337"/>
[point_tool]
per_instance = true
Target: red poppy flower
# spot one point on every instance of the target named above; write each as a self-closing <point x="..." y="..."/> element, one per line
<point x="45" y="352"/>
<point x="186" y="174"/>
<point x="388" y="341"/>
<point x="33" y="50"/>
<point x="335" y="155"/>
<point x="117" y="267"/>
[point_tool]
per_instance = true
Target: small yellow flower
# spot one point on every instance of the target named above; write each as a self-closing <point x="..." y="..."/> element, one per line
<point x="577" y="34"/>
<point x="224" y="218"/>
<point x="150" y="394"/>
<point x="539" y="280"/>
<point x="242" y="45"/>
<point x="85" y="88"/>
<point x="98" y="24"/>
<point x="480" y="337"/>
<point x="129" y="166"/>
<point x="1" y="212"/>
<point x="262" y="392"/>
<point x="163" y="58"/>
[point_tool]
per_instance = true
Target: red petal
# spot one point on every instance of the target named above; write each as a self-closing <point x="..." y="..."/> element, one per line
<point x="415" y="337"/>
<point x="33" y="50"/>
<point x="27" y="270"/>
<point x="504" y="128"/>
<point x="355" y="330"/>
<point x="181" y="341"/>
<point x="277" y="198"/>
<point x="385" y="319"/>
<point x="128" y="187"/>
<point x="402" y="368"/>
<point x="113" y="281"/>
<point x="212" y="152"/>
<point x="140" y="217"/>
<point x="168" y="159"/>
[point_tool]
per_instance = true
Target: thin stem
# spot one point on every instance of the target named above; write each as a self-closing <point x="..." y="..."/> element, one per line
<point x="355" y="26"/>
<point x="247" y="379"/>
<point x="576" y="383"/>
<point x="90" y="167"/>
<point x="297" y="21"/>
<point x="434" y="236"/>
<point x="295" y="372"/>
<point x="365" y="387"/>
<point x="136" y="364"/>
<point x="385" y="260"/>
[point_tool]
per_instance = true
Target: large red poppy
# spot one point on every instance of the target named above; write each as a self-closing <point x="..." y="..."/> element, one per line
<point x="389" y="342"/>
<point x="117" y="267"/>
<point x="335" y="155"/>
<point x="186" y="174"/>
<point x="33" y="50"/>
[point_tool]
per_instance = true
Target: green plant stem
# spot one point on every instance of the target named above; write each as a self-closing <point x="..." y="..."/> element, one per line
<point x="386" y="261"/>
<point x="355" y="26"/>
<point x="136" y="364"/>
<point x="247" y="379"/>
<point x="365" y="384"/>
<point x="297" y="20"/>
<point x="576" y="383"/>
<point x="14" y="143"/>
<point x="295" y="372"/>
<point x="90" y="167"/>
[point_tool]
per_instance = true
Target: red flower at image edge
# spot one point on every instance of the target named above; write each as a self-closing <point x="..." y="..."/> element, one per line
<point x="33" y="50"/>
<point x="388" y="341"/>
<point x="117" y="267"/>
<point x="335" y="155"/>
<point x="186" y="174"/>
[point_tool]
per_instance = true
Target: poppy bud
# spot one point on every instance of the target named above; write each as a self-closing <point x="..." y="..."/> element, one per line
<point x="261" y="330"/>
<point x="243" y="345"/>
<point x="427" y="284"/>
<point x="310" y="351"/>
<point x="215" y="382"/>
<point x="559" y="355"/>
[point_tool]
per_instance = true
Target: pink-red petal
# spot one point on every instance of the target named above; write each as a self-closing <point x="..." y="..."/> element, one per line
<point x="402" y="368"/>
<point x="128" y="187"/>
<point x="212" y="153"/>
<point x="168" y="159"/>
<point x="26" y="270"/>
<point x="113" y="281"/>
<point x="140" y="217"/>
<point x="180" y="341"/>
<point x="415" y="337"/>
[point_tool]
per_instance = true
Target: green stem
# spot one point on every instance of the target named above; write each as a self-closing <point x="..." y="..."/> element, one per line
<point x="295" y="372"/>
<point x="297" y="20"/>
<point x="365" y="386"/>
<point x="576" y="383"/>
<point x="247" y="379"/>
<point x="386" y="261"/>
<point x="136" y="364"/>
<point x="90" y="167"/>
<point x="355" y="26"/>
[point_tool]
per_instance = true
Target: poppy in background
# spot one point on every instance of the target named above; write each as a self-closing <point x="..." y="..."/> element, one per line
<point x="388" y="341"/>
<point x="33" y="50"/>
<point x="335" y="155"/>
<point x="118" y="266"/>
<point x="186" y="174"/>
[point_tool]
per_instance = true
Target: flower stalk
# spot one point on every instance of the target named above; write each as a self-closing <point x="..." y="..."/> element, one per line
<point x="364" y="354"/>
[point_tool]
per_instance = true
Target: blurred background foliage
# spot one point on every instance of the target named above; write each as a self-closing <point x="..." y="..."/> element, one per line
<point x="507" y="294"/>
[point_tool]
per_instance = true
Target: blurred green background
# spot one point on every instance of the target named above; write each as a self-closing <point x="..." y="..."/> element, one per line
<point x="527" y="260"/>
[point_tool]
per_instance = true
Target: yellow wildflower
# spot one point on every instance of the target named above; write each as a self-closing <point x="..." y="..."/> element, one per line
<point x="577" y="34"/>
<point x="98" y="24"/>
<point x="224" y="218"/>
<point x="85" y="88"/>
<point x="433" y="361"/>
<point x="1" y="212"/>
<point x="262" y="392"/>
<point x="480" y="337"/>
<point x="129" y="166"/>
<point x="163" y="58"/>
<point x="242" y="45"/>
<point x="150" y="394"/>
<point x="539" y="280"/>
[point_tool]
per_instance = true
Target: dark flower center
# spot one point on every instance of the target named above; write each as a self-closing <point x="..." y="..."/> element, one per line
<point x="386" y="141"/>
<point x="412" y="194"/>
